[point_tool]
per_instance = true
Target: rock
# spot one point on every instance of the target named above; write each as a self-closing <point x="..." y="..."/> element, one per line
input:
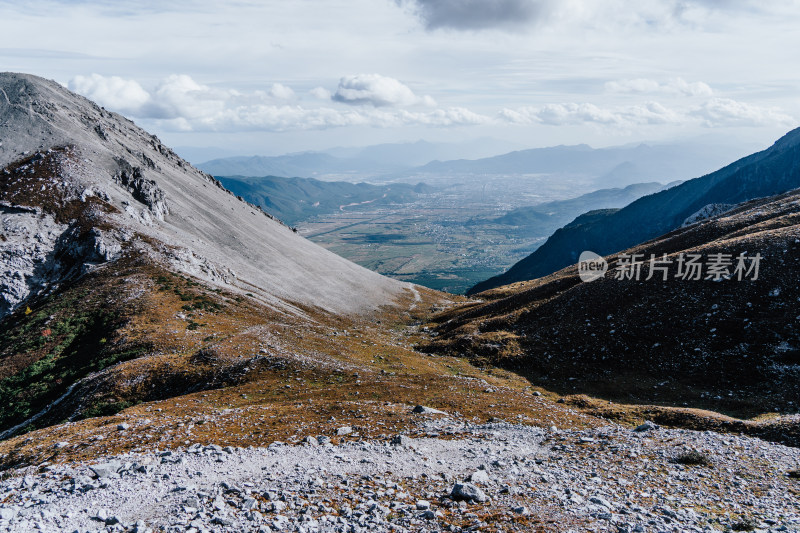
<point x="278" y="506"/>
<point x="523" y="510"/>
<point x="479" y="477"/>
<point x="421" y="409"/>
<point x="401" y="440"/>
<point x="423" y="504"/>
<point x="600" y="501"/>
<point x="467" y="492"/>
<point x="536" y="393"/>
<point x="647" y="426"/>
<point x="7" y="513"/>
<point x="222" y="521"/>
<point x="344" y="430"/>
<point x="311" y="441"/>
<point x="123" y="426"/>
<point x="103" y="470"/>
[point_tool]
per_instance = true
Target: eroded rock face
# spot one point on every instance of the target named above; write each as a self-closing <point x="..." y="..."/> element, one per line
<point x="28" y="241"/>
<point x="144" y="190"/>
<point x="706" y="212"/>
<point x="37" y="253"/>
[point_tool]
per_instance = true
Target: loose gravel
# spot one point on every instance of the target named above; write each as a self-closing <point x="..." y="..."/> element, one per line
<point x="462" y="477"/>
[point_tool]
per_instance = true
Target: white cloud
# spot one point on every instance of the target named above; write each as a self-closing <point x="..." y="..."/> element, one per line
<point x="320" y="93"/>
<point x="378" y="91"/>
<point x="179" y="103"/>
<point x="714" y="112"/>
<point x="282" y="92"/>
<point x="113" y="92"/>
<point x="722" y="112"/>
<point x="583" y="113"/>
<point x="673" y="86"/>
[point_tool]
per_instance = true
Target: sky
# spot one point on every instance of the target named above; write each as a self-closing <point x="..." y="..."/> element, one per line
<point x="275" y="76"/>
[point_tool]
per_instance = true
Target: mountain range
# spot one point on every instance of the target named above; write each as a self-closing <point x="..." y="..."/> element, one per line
<point x="771" y="171"/>
<point x="608" y="167"/>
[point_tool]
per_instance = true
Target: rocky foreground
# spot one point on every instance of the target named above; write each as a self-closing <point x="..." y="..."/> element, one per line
<point x="462" y="477"/>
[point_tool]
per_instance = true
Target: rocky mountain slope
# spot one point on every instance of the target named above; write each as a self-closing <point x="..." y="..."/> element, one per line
<point x="102" y="228"/>
<point x="68" y="152"/>
<point x="765" y="173"/>
<point x="721" y="337"/>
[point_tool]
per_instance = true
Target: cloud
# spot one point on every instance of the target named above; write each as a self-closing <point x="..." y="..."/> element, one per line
<point x="673" y="86"/>
<point x="320" y="93"/>
<point x="378" y="91"/>
<point x="478" y="14"/>
<point x="713" y="113"/>
<point x="281" y="92"/>
<point x="179" y="103"/>
<point x="722" y="112"/>
<point x="583" y="113"/>
<point x="113" y="92"/>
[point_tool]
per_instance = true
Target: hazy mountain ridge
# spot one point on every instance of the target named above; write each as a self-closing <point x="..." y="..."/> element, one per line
<point x="609" y="167"/>
<point x="295" y="199"/>
<point x="543" y="217"/>
<point x="772" y="171"/>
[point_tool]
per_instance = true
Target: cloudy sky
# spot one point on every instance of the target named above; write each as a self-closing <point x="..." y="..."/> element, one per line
<point x="274" y="76"/>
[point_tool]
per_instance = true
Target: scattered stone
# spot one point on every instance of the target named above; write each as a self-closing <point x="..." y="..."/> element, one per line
<point x="344" y="430"/>
<point x="422" y="410"/>
<point x="479" y="477"/>
<point x="401" y="440"/>
<point x="123" y="426"/>
<point x="647" y="426"/>
<point x="467" y="492"/>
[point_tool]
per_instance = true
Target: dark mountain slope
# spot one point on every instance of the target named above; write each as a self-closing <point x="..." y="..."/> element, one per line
<point x="765" y="173"/>
<point x="729" y="345"/>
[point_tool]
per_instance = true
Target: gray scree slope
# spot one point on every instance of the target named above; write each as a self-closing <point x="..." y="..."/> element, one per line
<point x="209" y="233"/>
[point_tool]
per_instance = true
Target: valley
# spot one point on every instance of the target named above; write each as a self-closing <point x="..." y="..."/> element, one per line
<point x="175" y="358"/>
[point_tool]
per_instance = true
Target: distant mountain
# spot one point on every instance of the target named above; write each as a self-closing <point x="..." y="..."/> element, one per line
<point x="765" y="173"/>
<point x="611" y="167"/>
<point x="307" y="164"/>
<point x="543" y="219"/>
<point x="295" y="199"/>
<point x="359" y="162"/>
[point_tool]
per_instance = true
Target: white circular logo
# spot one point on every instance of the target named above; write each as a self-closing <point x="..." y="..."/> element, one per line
<point x="591" y="266"/>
